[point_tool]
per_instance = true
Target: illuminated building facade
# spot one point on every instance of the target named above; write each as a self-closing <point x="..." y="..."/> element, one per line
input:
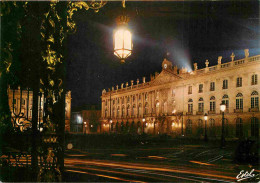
<point x="175" y="101"/>
<point x="21" y="107"/>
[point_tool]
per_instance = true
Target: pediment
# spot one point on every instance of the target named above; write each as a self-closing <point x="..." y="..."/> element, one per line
<point x="165" y="77"/>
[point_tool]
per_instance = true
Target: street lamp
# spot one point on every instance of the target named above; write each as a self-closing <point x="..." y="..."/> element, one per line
<point x="122" y="39"/>
<point x="206" y="118"/>
<point x="223" y="108"/>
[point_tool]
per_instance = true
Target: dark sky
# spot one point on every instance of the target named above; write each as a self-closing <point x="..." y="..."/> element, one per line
<point x="189" y="31"/>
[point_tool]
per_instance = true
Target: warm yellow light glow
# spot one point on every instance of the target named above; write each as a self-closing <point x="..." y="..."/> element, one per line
<point x="206" y="117"/>
<point x="122" y="43"/>
<point x="222" y="107"/>
<point x="143" y="119"/>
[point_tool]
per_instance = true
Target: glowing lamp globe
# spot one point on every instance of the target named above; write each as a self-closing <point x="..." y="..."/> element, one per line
<point x="123" y="45"/>
<point x="222" y="107"/>
<point x="206" y="117"/>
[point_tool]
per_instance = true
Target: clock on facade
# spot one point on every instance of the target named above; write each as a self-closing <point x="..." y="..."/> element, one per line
<point x="165" y="66"/>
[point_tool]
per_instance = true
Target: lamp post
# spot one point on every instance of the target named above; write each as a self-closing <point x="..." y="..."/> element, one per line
<point x="223" y="108"/>
<point x="205" y="118"/>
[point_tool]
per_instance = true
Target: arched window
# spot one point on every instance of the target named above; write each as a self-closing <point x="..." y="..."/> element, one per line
<point x="239" y="127"/>
<point x="225" y="84"/>
<point x="123" y="100"/>
<point x="189" y="127"/>
<point x="123" y="111"/>
<point x="139" y="110"/>
<point x="146" y="108"/>
<point x="254" y="127"/>
<point x="113" y="112"/>
<point x="128" y="111"/>
<point x="118" y="111"/>
<point x="201" y="105"/>
<point x="133" y="110"/>
<point x="146" y="96"/>
<point x="239" y="101"/>
<point x="105" y="112"/>
<point x="254" y="100"/>
<point x="239" y="82"/>
<point x="212" y="104"/>
<point x="254" y="79"/>
<point x="128" y="99"/>
<point x="190" y="106"/>
<point x="133" y="98"/>
<point x="157" y="107"/>
<point x="225" y="100"/>
<point x="212" y="127"/>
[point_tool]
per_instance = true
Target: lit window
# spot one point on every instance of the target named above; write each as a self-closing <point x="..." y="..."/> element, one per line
<point x="128" y="110"/>
<point x="239" y="82"/>
<point x="146" y="96"/>
<point x="123" y="111"/>
<point x="118" y="110"/>
<point x="146" y="108"/>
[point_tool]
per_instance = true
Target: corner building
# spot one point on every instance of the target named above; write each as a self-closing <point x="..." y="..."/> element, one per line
<point x="175" y="101"/>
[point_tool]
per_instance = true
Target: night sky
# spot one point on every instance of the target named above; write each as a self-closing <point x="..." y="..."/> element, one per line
<point x="189" y="31"/>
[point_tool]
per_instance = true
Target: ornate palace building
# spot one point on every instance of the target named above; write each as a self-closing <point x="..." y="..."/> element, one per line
<point x="175" y="101"/>
<point x="20" y="104"/>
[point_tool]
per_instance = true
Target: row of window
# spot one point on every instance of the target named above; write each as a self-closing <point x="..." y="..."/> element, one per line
<point x="212" y="127"/>
<point x="254" y="81"/>
<point x="127" y="99"/>
<point x="225" y="99"/>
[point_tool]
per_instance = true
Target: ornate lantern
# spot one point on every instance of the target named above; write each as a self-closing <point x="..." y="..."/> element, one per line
<point x="122" y="39"/>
